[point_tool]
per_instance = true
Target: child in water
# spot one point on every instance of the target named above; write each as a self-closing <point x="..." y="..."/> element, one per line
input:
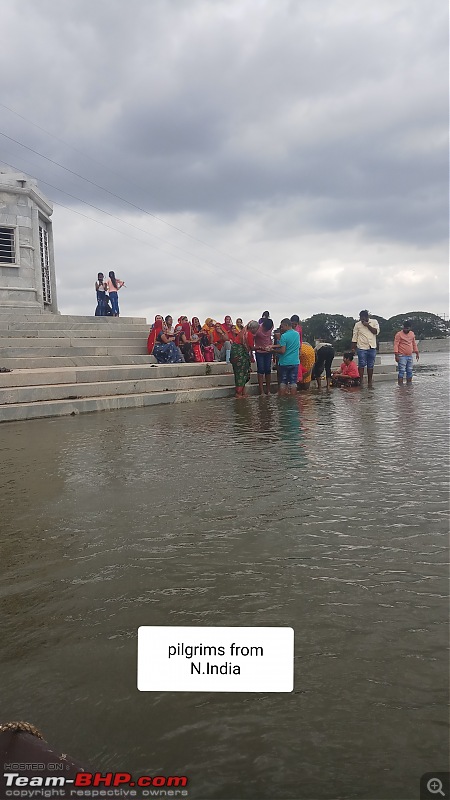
<point x="347" y="374"/>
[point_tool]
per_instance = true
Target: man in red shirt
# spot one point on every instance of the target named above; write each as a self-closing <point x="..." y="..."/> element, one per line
<point x="404" y="346"/>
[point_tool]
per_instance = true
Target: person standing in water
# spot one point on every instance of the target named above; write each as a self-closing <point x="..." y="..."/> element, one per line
<point x="404" y="346"/>
<point x="240" y="357"/>
<point x="289" y="357"/>
<point x="113" y="285"/>
<point x="364" y="341"/>
<point x="263" y="340"/>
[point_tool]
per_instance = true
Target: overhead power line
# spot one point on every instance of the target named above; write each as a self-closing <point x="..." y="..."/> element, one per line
<point x="210" y="267"/>
<point x="133" y="205"/>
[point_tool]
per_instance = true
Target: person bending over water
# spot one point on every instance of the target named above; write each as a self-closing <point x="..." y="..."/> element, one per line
<point x="307" y="361"/>
<point x="324" y="360"/>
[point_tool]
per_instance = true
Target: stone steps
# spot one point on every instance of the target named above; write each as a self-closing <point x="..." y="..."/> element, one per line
<point x="49" y="361"/>
<point x="65" y="391"/>
<point x="67" y="349"/>
<point x="89" y="374"/>
<point x="65" y="320"/>
<point x="64" y="365"/>
<point x="66" y="342"/>
<point x="79" y="332"/>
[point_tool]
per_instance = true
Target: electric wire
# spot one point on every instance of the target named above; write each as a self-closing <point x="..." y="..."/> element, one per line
<point x="113" y="172"/>
<point x="210" y="266"/>
<point x="133" y="205"/>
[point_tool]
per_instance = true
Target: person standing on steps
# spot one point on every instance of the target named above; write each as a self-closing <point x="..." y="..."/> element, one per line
<point x="102" y="298"/>
<point x="364" y="341"/>
<point x="113" y="285"/>
<point x="404" y="346"/>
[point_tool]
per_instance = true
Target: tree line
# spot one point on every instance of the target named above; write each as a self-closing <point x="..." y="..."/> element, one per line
<point x="337" y="329"/>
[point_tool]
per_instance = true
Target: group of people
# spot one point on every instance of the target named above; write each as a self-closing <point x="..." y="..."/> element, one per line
<point x="296" y="362"/>
<point x="107" y="290"/>
<point x="281" y="349"/>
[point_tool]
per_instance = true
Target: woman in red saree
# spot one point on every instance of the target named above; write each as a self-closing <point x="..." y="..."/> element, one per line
<point x="195" y="325"/>
<point x="196" y="340"/>
<point x="154" y="330"/>
<point x="230" y="328"/>
<point x="207" y="338"/>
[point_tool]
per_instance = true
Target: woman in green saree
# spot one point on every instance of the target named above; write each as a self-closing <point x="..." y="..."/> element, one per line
<point x="240" y="356"/>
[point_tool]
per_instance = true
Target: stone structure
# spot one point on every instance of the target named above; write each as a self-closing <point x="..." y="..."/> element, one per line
<point x="27" y="265"/>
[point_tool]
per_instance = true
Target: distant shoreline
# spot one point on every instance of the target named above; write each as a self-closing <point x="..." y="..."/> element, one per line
<point x="425" y="346"/>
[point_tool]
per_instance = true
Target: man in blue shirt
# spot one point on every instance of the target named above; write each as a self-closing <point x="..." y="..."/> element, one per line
<point x="289" y="358"/>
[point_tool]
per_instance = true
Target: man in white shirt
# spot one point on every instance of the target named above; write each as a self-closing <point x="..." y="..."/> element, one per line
<point x="364" y="341"/>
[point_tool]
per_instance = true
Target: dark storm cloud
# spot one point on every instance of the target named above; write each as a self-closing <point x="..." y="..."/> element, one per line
<point x="302" y="118"/>
<point x="209" y="112"/>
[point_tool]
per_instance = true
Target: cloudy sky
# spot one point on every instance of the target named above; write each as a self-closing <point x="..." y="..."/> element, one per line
<point x="236" y="155"/>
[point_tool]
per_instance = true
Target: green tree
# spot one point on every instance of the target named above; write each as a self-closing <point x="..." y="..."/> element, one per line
<point x="424" y="324"/>
<point x="334" y="328"/>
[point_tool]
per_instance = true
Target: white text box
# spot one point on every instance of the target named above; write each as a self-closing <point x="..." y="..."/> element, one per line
<point x="203" y="659"/>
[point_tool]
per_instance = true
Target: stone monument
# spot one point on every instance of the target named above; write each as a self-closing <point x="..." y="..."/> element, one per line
<point x="27" y="264"/>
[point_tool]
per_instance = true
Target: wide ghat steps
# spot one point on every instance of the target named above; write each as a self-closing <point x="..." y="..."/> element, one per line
<point x="66" y="365"/>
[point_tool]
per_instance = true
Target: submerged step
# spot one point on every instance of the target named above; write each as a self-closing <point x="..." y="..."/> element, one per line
<point x="71" y="405"/>
<point x="59" y="408"/>
<point x="59" y="391"/>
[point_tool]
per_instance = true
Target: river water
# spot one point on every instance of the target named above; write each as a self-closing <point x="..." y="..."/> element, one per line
<point x="327" y="513"/>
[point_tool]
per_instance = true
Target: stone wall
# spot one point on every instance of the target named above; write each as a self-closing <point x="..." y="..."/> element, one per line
<point x="425" y="346"/>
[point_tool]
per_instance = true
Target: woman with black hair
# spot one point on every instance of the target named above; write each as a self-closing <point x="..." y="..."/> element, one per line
<point x="102" y="298"/>
<point x="113" y="285"/>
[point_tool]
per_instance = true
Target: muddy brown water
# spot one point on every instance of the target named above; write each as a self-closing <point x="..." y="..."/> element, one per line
<point x="328" y="513"/>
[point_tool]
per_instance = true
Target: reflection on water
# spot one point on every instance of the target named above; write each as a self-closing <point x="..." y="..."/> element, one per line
<point x="324" y="512"/>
